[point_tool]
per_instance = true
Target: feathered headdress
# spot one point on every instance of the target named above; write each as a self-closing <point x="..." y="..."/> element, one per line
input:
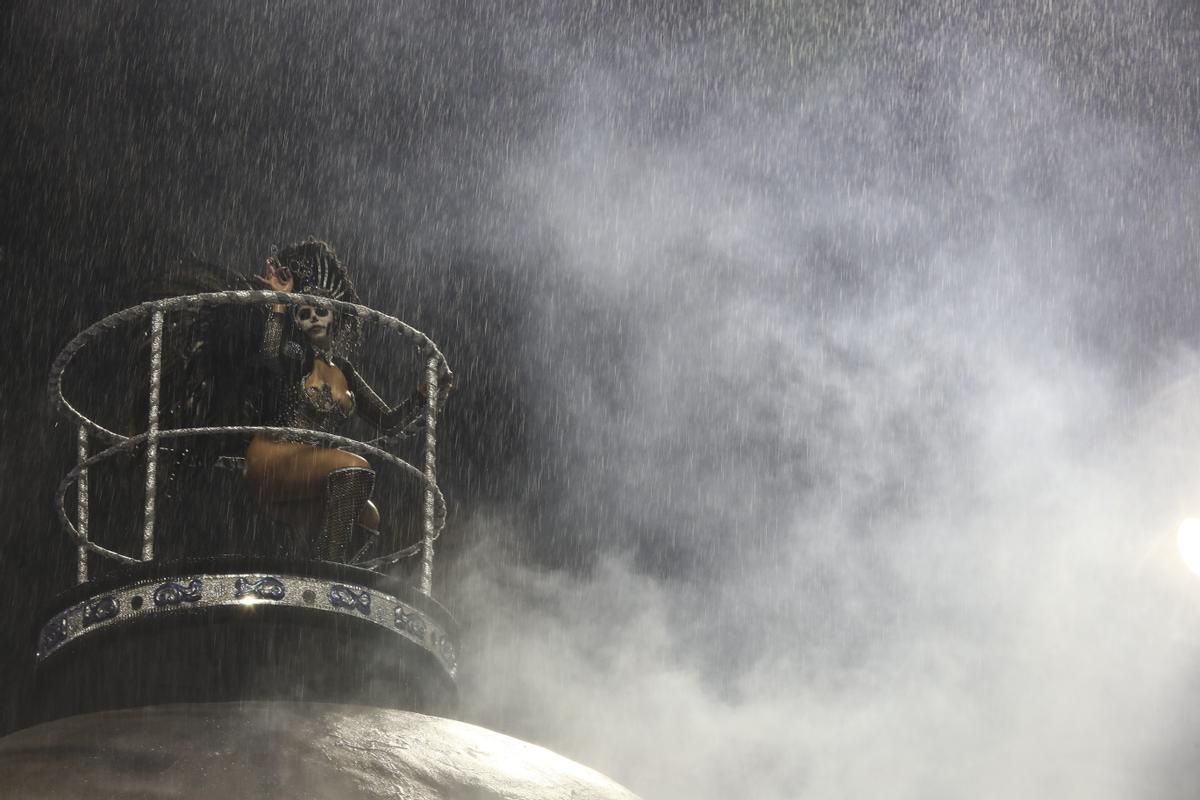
<point x="317" y="270"/>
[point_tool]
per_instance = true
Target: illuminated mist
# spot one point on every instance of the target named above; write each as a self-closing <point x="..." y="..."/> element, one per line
<point x="826" y="415"/>
<point x="848" y="383"/>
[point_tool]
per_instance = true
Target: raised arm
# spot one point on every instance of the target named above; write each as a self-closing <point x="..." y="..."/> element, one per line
<point x="277" y="279"/>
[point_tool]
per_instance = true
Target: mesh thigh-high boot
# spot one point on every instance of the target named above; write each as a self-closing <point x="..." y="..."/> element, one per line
<point x="347" y="490"/>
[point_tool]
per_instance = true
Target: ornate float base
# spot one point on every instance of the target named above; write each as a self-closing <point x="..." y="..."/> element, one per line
<point x="236" y="628"/>
<point x="300" y="750"/>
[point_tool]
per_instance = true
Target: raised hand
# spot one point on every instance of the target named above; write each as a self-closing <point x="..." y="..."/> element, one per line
<point x="278" y="279"/>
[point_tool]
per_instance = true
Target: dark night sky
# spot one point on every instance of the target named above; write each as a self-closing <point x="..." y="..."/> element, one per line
<point x="797" y="324"/>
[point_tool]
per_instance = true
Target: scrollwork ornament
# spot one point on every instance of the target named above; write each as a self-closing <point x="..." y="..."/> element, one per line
<point x="411" y="622"/>
<point x="341" y="596"/>
<point x="54" y="633"/>
<point x="172" y="593"/>
<point x="100" y="609"/>
<point x="265" y="588"/>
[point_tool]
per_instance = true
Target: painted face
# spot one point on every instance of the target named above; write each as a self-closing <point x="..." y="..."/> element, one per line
<point x="313" y="321"/>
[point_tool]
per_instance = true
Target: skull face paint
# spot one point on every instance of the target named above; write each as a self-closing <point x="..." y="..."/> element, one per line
<point x="313" y="321"/>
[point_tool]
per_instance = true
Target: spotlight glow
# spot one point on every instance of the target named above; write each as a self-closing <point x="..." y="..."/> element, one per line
<point x="1189" y="543"/>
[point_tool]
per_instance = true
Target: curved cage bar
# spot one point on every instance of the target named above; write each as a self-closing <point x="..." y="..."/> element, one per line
<point x="433" y="508"/>
<point x="197" y="301"/>
<point x="78" y="475"/>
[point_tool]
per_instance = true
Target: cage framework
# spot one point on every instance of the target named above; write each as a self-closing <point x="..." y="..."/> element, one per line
<point x="156" y="590"/>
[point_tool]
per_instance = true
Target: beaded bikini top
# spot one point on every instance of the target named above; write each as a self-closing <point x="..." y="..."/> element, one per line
<point x="323" y="402"/>
<point x="314" y="408"/>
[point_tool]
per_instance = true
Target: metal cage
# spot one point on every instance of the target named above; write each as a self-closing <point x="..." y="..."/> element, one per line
<point x="433" y="506"/>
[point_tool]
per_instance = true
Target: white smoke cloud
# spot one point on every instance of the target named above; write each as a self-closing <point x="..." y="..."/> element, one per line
<point x="881" y="524"/>
<point x="842" y="366"/>
<point x="1027" y="634"/>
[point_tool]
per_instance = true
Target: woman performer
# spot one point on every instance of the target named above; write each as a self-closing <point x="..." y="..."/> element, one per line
<point x="322" y="490"/>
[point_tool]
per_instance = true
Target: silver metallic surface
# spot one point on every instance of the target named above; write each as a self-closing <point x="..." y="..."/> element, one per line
<point x="430" y="454"/>
<point x="272" y="332"/>
<point x="298" y="751"/>
<point x="81" y="568"/>
<point x="156" y="341"/>
<point x="172" y="595"/>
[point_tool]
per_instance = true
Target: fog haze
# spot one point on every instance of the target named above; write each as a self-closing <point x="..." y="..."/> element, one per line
<point x="826" y="408"/>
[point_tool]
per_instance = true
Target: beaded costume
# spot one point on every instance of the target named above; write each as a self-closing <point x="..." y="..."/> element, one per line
<point x="314" y="408"/>
<point x="301" y="399"/>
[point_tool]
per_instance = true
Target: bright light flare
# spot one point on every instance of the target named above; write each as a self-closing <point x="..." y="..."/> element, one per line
<point x="1189" y="543"/>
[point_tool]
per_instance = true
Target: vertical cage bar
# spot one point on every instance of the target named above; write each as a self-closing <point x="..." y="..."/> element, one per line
<point x="81" y="572"/>
<point x="156" y="339"/>
<point x="428" y="511"/>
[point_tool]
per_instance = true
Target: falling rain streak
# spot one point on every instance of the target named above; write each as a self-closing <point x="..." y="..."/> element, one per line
<point x="826" y="406"/>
